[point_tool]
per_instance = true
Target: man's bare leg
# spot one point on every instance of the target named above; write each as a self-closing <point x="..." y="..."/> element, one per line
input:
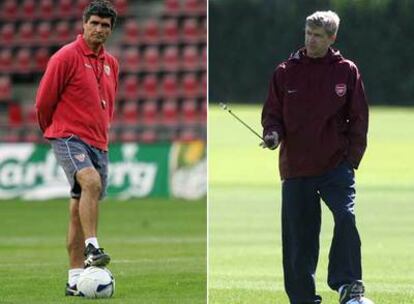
<point x="75" y="248"/>
<point x="90" y="182"/>
<point x="76" y="239"/>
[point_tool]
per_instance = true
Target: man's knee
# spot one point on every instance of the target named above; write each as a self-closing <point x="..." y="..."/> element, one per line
<point x="89" y="180"/>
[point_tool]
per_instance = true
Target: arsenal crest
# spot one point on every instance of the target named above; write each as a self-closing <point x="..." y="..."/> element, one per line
<point x="340" y="89"/>
<point x="107" y="69"/>
<point x="80" y="157"/>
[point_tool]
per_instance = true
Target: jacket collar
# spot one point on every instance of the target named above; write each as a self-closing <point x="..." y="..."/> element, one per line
<point x="80" y="41"/>
<point x="332" y="55"/>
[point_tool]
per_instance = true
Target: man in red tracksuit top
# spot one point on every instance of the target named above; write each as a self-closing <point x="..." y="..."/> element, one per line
<point x="75" y="105"/>
<point x="317" y="110"/>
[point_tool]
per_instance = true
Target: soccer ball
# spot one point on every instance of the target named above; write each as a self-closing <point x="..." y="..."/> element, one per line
<point x="96" y="282"/>
<point x="361" y="301"/>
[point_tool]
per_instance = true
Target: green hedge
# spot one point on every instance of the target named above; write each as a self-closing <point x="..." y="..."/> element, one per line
<point x="248" y="38"/>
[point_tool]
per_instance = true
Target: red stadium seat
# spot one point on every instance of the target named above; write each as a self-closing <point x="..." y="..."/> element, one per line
<point x="26" y="33"/>
<point x="130" y="113"/>
<point x="30" y="116"/>
<point x="10" y="9"/>
<point x="203" y="87"/>
<point x="15" y="115"/>
<point x="190" y="31"/>
<point x="187" y="135"/>
<point x="149" y="112"/>
<point x="170" y="86"/>
<point x="131" y="32"/>
<point x="44" y="33"/>
<point x="28" y="9"/>
<point x="190" y="86"/>
<point x="7" y="34"/>
<point x="41" y="59"/>
<point x="78" y="28"/>
<point x="204" y="110"/>
<point x="152" y="59"/>
<point x="150" y="86"/>
<point x="46" y="9"/>
<point x="130" y="87"/>
<point x="115" y="51"/>
<point x="190" y="58"/>
<point x="81" y="5"/>
<point x="172" y="7"/>
<point x="151" y="31"/>
<point x="12" y="136"/>
<point x="204" y="29"/>
<point x="23" y="61"/>
<point x="132" y="60"/>
<point x="148" y="136"/>
<point x="63" y="33"/>
<point x="170" y="111"/>
<point x="5" y="88"/>
<point x="31" y="135"/>
<point x="129" y="135"/>
<point x="66" y="9"/>
<point x="121" y="6"/>
<point x="170" y="58"/>
<point x="189" y="110"/>
<point x="6" y="60"/>
<point x="170" y="32"/>
<point x="191" y="6"/>
<point x="204" y="57"/>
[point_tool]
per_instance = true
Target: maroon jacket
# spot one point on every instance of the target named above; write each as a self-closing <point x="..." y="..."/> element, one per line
<point x="319" y="109"/>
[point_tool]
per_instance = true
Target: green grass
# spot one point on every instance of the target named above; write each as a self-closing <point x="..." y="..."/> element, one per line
<point x="158" y="250"/>
<point x="244" y="212"/>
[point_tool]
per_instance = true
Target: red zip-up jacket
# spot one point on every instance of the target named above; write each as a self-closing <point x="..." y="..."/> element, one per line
<point x="76" y="95"/>
<point x="319" y="110"/>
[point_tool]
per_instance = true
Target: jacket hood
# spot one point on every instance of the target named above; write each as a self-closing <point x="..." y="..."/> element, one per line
<point x="331" y="56"/>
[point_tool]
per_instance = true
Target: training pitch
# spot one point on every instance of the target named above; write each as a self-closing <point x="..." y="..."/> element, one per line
<point x="244" y="212"/>
<point x="158" y="250"/>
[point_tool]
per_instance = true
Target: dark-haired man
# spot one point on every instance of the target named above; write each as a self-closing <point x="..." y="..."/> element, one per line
<point x="75" y="105"/>
<point x="317" y="110"/>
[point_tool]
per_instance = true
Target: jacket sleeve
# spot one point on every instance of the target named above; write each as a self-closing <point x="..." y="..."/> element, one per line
<point x="272" y="112"/>
<point x="357" y="119"/>
<point x="50" y="88"/>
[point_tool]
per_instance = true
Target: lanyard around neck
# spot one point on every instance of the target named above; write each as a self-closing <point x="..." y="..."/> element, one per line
<point x="96" y="72"/>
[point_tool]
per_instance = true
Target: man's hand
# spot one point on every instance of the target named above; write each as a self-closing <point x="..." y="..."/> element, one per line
<point x="271" y="141"/>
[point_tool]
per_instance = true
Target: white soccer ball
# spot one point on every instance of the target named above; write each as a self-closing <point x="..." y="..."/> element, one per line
<point x="96" y="282"/>
<point x="363" y="300"/>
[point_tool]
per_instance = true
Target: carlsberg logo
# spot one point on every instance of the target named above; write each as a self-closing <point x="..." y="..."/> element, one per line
<point x="31" y="171"/>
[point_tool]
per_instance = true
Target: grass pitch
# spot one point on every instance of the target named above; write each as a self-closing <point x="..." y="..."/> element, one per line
<point x="244" y="212"/>
<point x="158" y="250"/>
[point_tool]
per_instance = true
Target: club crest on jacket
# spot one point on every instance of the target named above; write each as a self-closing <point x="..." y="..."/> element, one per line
<point x="340" y="89"/>
<point x="80" y="157"/>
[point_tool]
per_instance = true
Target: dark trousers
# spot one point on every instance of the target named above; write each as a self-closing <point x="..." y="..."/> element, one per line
<point x="301" y="222"/>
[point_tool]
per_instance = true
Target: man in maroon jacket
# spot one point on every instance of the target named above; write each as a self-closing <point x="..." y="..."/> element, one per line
<point x="75" y="105"/>
<point x="317" y="111"/>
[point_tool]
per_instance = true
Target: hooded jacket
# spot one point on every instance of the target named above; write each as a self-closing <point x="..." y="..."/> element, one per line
<point x="319" y="110"/>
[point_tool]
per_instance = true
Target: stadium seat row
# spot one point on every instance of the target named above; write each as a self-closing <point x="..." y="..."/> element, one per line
<point x="170" y="86"/>
<point x="190" y="58"/>
<point x="50" y="9"/>
<point x="144" y="135"/>
<point x="27" y="61"/>
<point x="171" y="112"/>
<point x="152" y="31"/>
<point x="24" y="61"/>
<point x="43" y="33"/>
<point x="188" y="7"/>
